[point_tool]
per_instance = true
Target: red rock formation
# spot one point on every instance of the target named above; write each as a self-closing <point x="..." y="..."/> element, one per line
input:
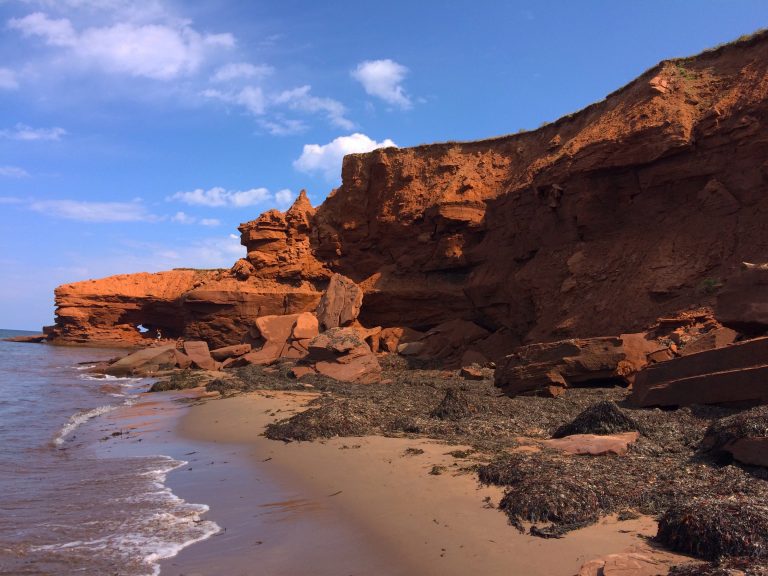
<point x="197" y="304"/>
<point x="735" y="373"/>
<point x="599" y="223"/>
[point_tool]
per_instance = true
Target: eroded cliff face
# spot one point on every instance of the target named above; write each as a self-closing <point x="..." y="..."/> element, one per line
<point x="596" y="224"/>
<point x="212" y="305"/>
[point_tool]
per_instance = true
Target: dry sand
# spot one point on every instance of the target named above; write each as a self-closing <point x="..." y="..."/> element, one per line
<point x="360" y="506"/>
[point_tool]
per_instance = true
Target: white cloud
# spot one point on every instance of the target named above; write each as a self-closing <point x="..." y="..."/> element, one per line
<point x="8" y="80"/>
<point x="301" y="99"/>
<point x="84" y="211"/>
<point x="210" y="252"/>
<point x="284" y="198"/>
<point x="280" y="126"/>
<point x="135" y="10"/>
<point x="182" y="218"/>
<point x="55" y="32"/>
<point x="27" y="133"/>
<point x="13" y="172"/>
<point x="255" y="101"/>
<point x="382" y="79"/>
<point x="217" y="197"/>
<point x="10" y="200"/>
<point x="240" y="71"/>
<point x="157" y="51"/>
<point x="210" y="222"/>
<point x="251" y="98"/>
<point x="326" y="159"/>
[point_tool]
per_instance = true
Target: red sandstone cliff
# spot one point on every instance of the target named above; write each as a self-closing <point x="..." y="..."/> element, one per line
<point x="595" y="224"/>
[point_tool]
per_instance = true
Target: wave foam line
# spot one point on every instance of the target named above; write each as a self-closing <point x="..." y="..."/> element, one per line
<point x="77" y="420"/>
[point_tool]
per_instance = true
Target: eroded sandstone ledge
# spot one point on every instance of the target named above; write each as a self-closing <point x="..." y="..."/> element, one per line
<point x="599" y="223"/>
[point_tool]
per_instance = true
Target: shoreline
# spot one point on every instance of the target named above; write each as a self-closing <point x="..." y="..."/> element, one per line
<point x="399" y="518"/>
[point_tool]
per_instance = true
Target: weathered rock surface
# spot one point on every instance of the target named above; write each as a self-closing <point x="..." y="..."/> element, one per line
<point x="221" y="354"/>
<point x="736" y="373"/>
<point x="595" y="224"/>
<point x="200" y="355"/>
<point x="340" y="303"/>
<point x="342" y="354"/>
<point x="285" y="336"/>
<point x="210" y="305"/>
<point x="144" y="362"/>
<point x="549" y="369"/>
<point x="743" y="302"/>
<point x="624" y="564"/>
<point x="593" y="444"/>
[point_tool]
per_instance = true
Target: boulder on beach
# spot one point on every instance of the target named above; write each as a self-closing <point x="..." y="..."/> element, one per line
<point x="145" y="361"/>
<point x="340" y="303"/>
<point x="284" y="336"/>
<point x="624" y="564"/>
<point x="226" y="352"/>
<point x="342" y="354"/>
<point x="593" y="444"/>
<point x="548" y="369"/>
<point x="198" y="352"/>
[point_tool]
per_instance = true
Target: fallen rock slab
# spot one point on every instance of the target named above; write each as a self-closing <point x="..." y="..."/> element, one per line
<point x="449" y="340"/>
<point x="472" y="373"/>
<point x="734" y="374"/>
<point x="342" y="354"/>
<point x="548" y="369"/>
<point x="624" y="564"/>
<point x="144" y="361"/>
<point x="594" y="445"/>
<point x="285" y="336"/>
<point x="340" y="303"/>
<point x="221" y="354"/>
<point x="391" y="338"/>
<point x="717" y="338"/>
<point x="742" y="303"/>
<point x="198" y="352"/>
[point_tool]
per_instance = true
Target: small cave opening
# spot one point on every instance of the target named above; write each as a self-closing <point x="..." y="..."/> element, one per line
<point x="154" y="326"/>
<point x="607" y="382"/>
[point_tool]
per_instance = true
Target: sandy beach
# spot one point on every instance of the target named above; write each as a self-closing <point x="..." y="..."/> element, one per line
<point x="366" y="505"/>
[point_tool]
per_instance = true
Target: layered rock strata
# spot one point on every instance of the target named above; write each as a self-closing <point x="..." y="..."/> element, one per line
<point x="633" y="208"/>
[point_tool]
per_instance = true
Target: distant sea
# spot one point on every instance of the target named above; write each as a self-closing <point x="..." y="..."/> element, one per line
<point x="64" y="509"/>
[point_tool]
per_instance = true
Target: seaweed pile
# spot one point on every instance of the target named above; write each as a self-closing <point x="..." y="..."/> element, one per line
<point x="602" y="418"/>
<point x="747" y="424"/>
<point x="727" y="567"/>
<point x="717" y="527"/>
<point x="429" y="403"/>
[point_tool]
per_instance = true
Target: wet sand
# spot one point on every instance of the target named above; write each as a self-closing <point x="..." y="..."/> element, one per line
<point x="357" y="505"/>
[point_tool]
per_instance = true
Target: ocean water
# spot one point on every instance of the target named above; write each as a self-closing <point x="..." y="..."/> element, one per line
<point x="65" y="507"/>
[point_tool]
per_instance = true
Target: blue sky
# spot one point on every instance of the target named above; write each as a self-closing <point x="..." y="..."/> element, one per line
<point x="137" y="135"/>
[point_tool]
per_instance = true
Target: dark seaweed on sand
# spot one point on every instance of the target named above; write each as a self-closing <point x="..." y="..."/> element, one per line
<point x="553" y="491"/>
<point x="179" y="380"/>
<point x="715" y="527"/>
<point x="602" y="418"/>
<point x="726" y="567"/>
<point x="749" y="423"/>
